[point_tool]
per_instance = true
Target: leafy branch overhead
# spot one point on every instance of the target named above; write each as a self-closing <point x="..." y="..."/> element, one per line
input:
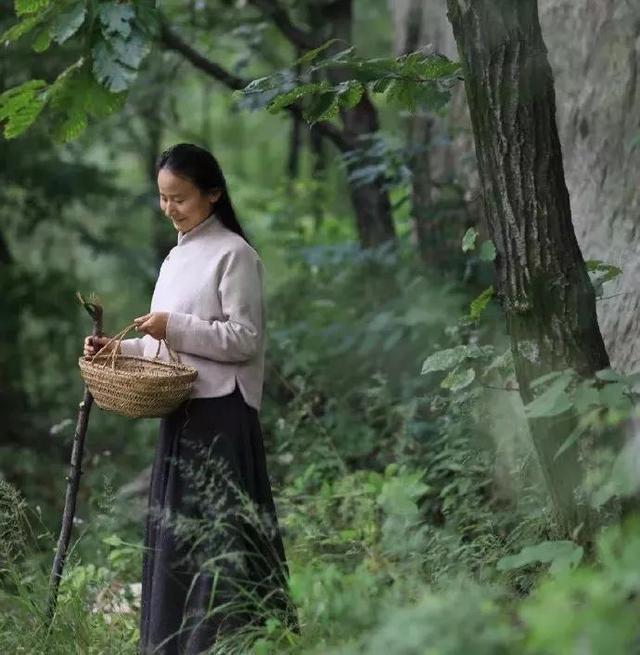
<point x="115" y="38"/>
<point x="413" y="80"/>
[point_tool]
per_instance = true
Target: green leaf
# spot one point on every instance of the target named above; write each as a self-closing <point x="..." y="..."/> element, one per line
<point x="403" y="92"/>
<point x="113" y="540"/>
<point x="430" y="96"/>
<point x="608" y="375"/>
<point x="20" y="29"/>
<point x="68" y="23"/>
<point x="116" y="18"/>
<point x="76" y="95"/>
<point x="372" y="70"/>
<point x="309" y="56"/>
<point x="563" y="555"/>
<point x="23" y="7"/>
<point x="131" y="51"/>
<point x="382" y="85"/>
<point x="569" y="441"/>
<point x="458" y="379"/>
<point x="487" y="251"/>
<point x="109" y="71"/>
<point x="602" y="270"/>
<point x="323" y="107"/>
<point x="436" y="66"/>
<point x="547" y="377"/>
<point x="20" y="106"/>
<point x="469" y="239"/>
<point x="613" y="396"/>
<point x="285" y="99"/>
<point x="480" y="303"/>
<point x="552" y="401"/>
<point x="584" y="397"/>
<point x="444" y="360"/>
<point x="42" y="41"/>
<point x="349" y="94"/>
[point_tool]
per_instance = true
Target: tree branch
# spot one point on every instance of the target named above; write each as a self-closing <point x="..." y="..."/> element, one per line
<point x="170" y="40"/>
<point x="280" y="18"/>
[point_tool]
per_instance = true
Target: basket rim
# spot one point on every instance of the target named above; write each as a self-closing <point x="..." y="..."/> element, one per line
<point x="89" y="363"/>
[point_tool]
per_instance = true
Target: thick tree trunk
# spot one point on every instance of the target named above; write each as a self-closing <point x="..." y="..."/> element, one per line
<point x="542" y="281"/>
<point x="598" y="89"/>
<point x="374" y="222"/>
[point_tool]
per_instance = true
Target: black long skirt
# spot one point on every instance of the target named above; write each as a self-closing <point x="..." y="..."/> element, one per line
<point x="213" y="560"/>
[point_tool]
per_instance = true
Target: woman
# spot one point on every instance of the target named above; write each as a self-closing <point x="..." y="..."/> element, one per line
<point x="213" y="558"/>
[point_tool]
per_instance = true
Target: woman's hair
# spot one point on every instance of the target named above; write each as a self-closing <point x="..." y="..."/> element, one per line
<point x="201" y="168"/>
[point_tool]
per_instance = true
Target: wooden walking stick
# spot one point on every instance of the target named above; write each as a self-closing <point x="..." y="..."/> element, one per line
<point x="75" y="470"/>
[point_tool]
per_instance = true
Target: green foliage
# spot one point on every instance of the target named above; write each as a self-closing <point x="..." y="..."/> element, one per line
<point x="487" y="251"/>
<point x="554" y="399"/>
<point x="562" y="555"/>
<point x="469" y="239"/>
<point x="68" y="23"/>
<point x="18" y="30"/>
<point x="20" y="106"/>
<point x="479" y="304"/>
<point x="75" y="96"/>
<point x="592" y="608"/>
<point x="118" y="55"/>
<point x="601" y="272"/>
<point x="96" y="83"/>
<point x="410" y="81"/>
<point x="23" y="7"/>
<point x="444" y="360"/>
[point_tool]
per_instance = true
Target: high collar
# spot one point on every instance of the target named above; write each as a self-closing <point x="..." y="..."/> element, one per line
<point x="212" y="222"/>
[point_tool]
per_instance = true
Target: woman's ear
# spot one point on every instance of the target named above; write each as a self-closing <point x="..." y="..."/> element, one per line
<point x="214" y="196"/>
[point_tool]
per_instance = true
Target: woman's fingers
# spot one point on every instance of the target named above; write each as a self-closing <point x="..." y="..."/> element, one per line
<point x="93" y="344"/>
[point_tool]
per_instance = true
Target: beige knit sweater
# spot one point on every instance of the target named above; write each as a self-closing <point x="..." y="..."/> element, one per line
<point x="211" y="283"/>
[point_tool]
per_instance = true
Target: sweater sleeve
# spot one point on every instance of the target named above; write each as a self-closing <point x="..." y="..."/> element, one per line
<point x="132" y="347"/>
<point x="237" y="337"/>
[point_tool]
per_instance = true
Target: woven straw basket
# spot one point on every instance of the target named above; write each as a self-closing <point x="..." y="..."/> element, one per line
<point x="137" y="387"/>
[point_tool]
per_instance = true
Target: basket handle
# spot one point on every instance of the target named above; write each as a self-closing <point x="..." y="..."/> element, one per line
<point x="112" y="355"/>
<point x="172" y="353"/>
<point x="119" y="336"/>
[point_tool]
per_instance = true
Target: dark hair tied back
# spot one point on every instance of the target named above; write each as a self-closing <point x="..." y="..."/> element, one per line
<point x="201" y="168"/>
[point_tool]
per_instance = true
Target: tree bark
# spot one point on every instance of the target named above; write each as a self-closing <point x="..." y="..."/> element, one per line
<point x="599" y="131"/>
<point x="542" y="283"/>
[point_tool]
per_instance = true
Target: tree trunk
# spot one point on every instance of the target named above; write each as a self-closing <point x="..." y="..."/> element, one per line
<point x="419" y="130"/>
<point x="436" y="147"/>
<point x="598" y="88"/>
<point x="374" y="222"/>
<point x="319" y="168"/>
<point x="542" y="283"/>
<point x="295" y="138"/>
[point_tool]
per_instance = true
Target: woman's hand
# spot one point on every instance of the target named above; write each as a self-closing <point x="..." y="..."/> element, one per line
<point x="93" y="344"/>
<point x="154" y="324"/>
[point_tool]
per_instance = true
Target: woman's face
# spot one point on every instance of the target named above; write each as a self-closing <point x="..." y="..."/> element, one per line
<point x="182" y="201"/>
